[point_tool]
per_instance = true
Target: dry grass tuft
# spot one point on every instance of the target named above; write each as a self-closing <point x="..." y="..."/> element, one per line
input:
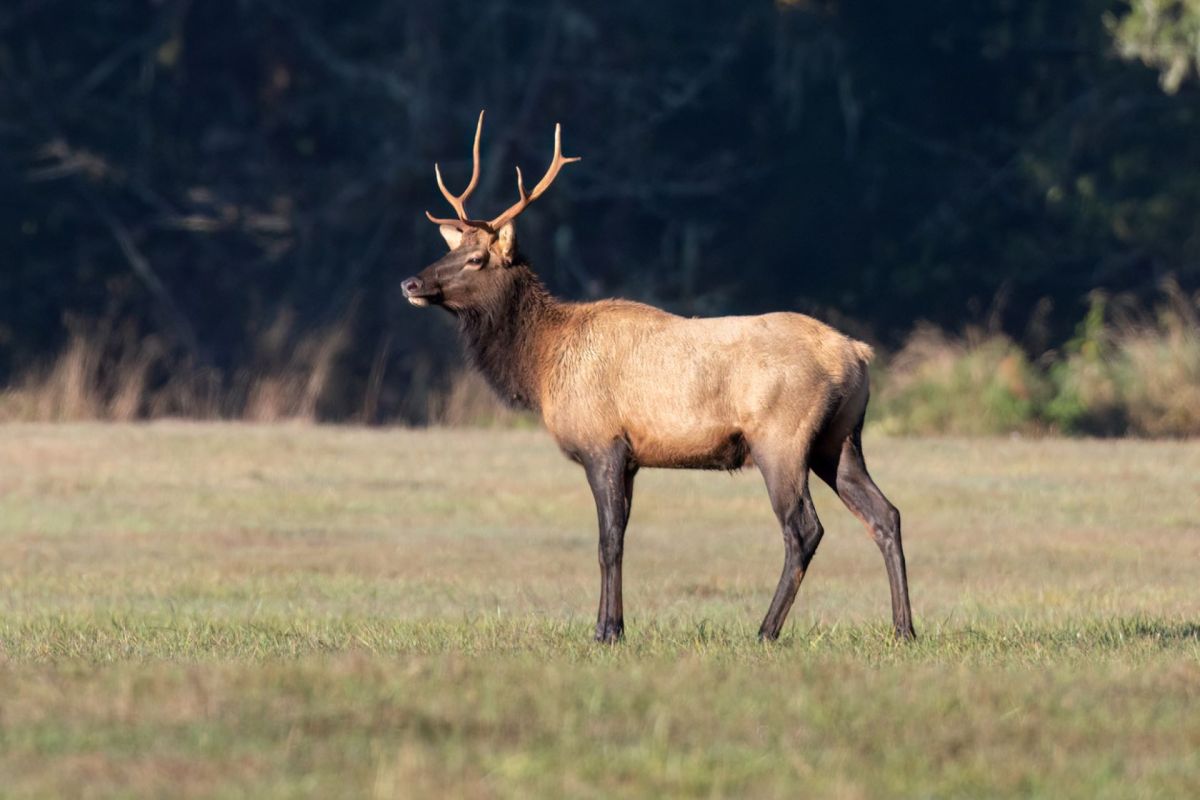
<point x="101" y="373"/>
<point x="112" y="374"/>
<point x="289" y="381"/>
<point x="471" y="402"/>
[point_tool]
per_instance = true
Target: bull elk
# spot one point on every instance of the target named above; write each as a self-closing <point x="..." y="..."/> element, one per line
<point x="621" y="385"/>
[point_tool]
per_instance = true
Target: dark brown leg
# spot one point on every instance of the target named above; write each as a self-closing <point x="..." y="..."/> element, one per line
<point x="847" y="475"/>
<point x="610" y="474"/>
<point x="801" y="534"/>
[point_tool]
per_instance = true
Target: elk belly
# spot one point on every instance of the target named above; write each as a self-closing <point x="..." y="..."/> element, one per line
<point x="714" y="448"/>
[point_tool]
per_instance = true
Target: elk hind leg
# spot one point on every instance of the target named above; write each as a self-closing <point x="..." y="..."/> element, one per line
<point x="787" y="485"/>
<point x="846" y="473"/>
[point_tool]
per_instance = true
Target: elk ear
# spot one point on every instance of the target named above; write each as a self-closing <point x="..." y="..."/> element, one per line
<point x="506" y="243"/>
<point x="452" y="235"/>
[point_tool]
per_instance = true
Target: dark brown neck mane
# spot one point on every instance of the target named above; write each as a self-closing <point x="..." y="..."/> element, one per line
<point x="501" y="336"/>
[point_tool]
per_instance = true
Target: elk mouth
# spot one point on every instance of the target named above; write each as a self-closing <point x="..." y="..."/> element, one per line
<point x="419" y="295"/>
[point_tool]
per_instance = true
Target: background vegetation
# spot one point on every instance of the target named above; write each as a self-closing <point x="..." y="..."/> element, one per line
<point x="205" y="208"/>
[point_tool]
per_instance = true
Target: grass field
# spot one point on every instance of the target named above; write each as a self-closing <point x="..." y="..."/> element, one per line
<point x="278" y="611"/>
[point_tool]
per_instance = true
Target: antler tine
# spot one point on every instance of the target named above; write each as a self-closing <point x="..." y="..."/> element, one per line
<point x="461" y="224"/>
<point x="556" y="164"/>
<point x="521" y="187"/>
<point x="459" y="203"/>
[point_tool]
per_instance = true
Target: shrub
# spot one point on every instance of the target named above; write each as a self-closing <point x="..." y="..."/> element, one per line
<point x="980" y="384"/>
<point x="1139" y="375"/>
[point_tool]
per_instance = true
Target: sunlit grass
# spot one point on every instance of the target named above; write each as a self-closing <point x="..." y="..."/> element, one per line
<point x="255" y="611"/>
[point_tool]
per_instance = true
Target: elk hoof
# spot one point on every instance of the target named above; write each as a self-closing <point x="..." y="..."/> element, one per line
<point x="610" y="631"/>
<point x="766" y="634"/>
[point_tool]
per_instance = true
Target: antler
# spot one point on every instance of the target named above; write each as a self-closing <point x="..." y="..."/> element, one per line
<point x="459" y="203"/>
<point x="463" y="223"/>
<point x="551" y="173"/>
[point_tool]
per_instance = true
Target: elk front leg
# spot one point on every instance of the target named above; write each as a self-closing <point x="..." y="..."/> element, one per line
<point x="610" y="474"/>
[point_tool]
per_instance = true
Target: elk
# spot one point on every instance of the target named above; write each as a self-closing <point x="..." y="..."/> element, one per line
<point x="621" y="385"/>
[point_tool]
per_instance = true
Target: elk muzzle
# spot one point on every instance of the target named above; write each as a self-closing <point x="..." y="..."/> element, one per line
<point x="418" y="292"/>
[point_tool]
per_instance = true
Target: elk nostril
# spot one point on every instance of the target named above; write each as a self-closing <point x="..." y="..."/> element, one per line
<point x="411" y="285"/>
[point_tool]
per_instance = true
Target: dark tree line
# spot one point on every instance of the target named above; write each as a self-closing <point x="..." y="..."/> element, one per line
<point x="228" y="177"/>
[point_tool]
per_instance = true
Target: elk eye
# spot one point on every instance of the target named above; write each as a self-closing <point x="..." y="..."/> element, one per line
<point x="475" y="261"/>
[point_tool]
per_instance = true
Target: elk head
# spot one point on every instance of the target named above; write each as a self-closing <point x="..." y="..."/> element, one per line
<point x="480" y="250"/>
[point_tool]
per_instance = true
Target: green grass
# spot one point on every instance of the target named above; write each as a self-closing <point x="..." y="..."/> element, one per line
<point x="232" y="610"/>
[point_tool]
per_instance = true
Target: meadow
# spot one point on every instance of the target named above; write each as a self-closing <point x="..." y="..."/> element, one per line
<point x="237" y="610"/>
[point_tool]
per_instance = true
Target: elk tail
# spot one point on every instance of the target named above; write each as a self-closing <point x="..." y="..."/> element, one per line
<point x="863" y="350"/>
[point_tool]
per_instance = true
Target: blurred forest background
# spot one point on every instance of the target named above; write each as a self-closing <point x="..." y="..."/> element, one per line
<point x="206" y="207"/>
